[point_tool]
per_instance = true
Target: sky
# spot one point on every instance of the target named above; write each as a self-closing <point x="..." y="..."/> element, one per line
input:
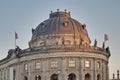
<point x="100" y="16"/>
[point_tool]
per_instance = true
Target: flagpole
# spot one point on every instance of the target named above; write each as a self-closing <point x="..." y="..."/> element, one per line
<point x="105" y="38"/>
<point x="15" y="42"/>
<point x="16" y="37"/>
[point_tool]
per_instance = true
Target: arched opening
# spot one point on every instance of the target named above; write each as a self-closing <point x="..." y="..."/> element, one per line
<point x="54" y="77"/>
<point x="25" y="78"/>
<point x="37" y="77"/>
<point x="72" y="76"/>
<point x="87" y="77"/>
<point x="98" y="77"/>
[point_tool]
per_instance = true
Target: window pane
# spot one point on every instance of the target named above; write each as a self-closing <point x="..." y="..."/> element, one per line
<point x="87" y="63"/>
<point x="54" y="64"/>
<point x="26" y="67"/>
<point x="38" y="65"/>
<point x="98" y="64"/>
<point x="71" y="63"/>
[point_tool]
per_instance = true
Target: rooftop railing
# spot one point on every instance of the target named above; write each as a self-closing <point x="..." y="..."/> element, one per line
<point x="64" y="48"/>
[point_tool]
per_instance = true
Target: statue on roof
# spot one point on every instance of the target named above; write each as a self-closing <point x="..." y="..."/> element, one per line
<point x="17" y="50"/>
<point x="95" y="43"/>
<point x="108" y="50"/>
<point x="103" y="46"/>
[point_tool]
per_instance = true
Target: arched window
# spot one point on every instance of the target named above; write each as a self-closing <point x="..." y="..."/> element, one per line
<point x="87" y="77"/>
<point x="98" y="65"/>
<point x="72" y="76"/>
<point x="26" y="67"/>
<point x="38" y="77"/>
<point x="25" y="78"/>
<point x="98" y="77"/>
<point x="54" y="77"/>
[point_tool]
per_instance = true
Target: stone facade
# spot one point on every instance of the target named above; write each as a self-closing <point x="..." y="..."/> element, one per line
<point x="57" y="56"/>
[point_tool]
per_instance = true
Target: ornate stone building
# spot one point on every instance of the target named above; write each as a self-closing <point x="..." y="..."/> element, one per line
<point x="58" y="50"/>
<point x="118" y="78"/>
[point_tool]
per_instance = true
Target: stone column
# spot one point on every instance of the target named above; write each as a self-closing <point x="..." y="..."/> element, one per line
<point x="44" y="70"/>
<point x="47" y="70"/>
<point x="94" y="68"/>
<point x="18" y="76"/>
<point x="81" y="70"/>
<point x="29" y="70"/>
<point x="102" y="70"/>
<point x="63" y="69"/>
<point x="107" y="71"/>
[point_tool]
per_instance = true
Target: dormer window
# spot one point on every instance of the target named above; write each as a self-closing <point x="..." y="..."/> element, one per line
<point x="42" y="44"/>
<point x="65" y="24"/>
<point x="43" y="24"/>
<point x="83" y="26"/>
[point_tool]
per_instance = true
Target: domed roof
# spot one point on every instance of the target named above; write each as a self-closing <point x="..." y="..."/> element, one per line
<point x="60" y="23"/>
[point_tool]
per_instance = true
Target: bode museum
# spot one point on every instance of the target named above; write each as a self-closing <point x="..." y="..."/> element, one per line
<point x="59" y="49"/>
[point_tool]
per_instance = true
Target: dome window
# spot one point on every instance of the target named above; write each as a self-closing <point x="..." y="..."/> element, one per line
<point x="43" y="24"/>
<point x="83" y="26"/>
<point x="65" y="24"/>
<point x="42" y="44"/>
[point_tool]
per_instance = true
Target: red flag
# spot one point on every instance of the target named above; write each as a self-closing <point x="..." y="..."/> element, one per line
<point x="106" y="37"/>
<point x="16" y="35"/>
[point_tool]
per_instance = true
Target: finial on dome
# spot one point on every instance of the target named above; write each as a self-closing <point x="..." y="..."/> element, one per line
<point x="57" y="10"/>
<point x="65" y="10"/>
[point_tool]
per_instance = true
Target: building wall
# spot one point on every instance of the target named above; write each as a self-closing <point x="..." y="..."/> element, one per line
<point x="60" y="63"/>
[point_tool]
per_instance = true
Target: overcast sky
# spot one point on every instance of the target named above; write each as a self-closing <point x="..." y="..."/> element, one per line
<point x="100" y="17"/>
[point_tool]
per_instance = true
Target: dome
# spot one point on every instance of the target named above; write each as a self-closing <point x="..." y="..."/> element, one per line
<point x="60" y="24"/>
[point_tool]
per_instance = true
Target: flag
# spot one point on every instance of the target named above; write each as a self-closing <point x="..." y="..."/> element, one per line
<point x="106" y="37"/>
<point x="16" y="35"/>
